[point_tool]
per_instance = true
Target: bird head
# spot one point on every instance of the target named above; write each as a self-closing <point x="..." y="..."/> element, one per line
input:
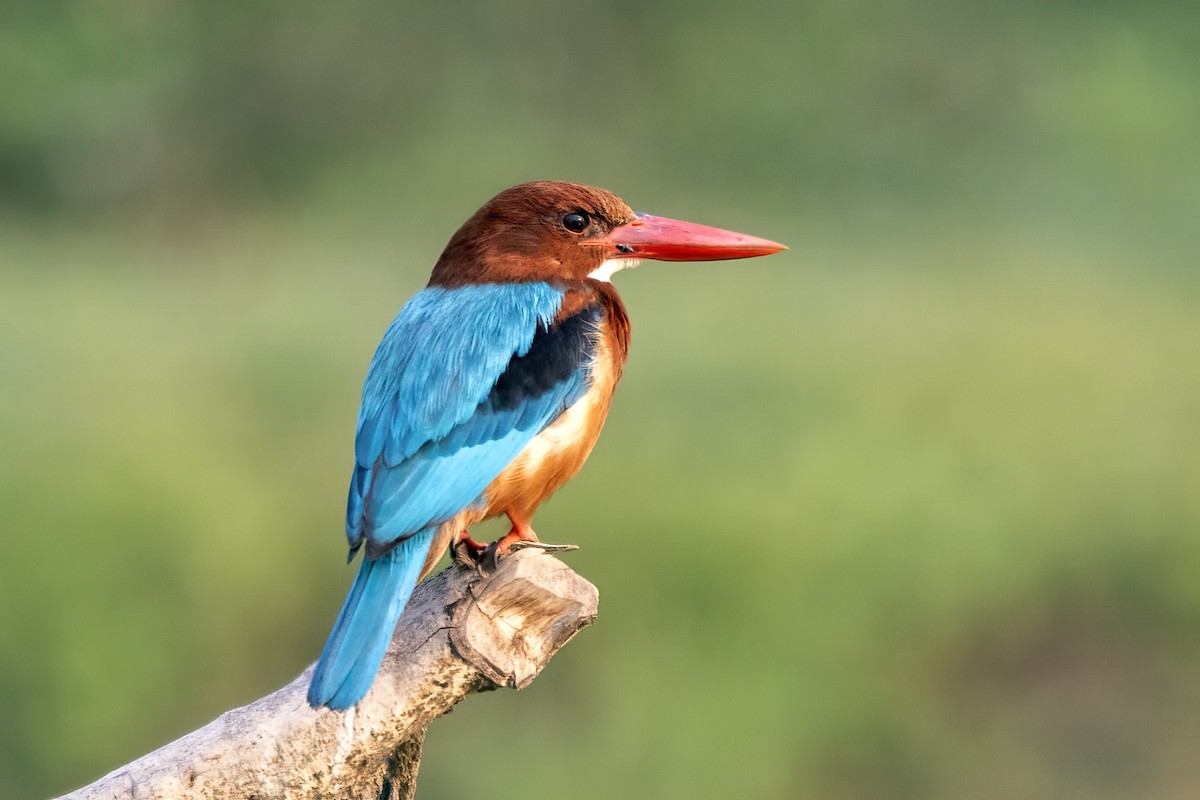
<point x="554" y="231"/>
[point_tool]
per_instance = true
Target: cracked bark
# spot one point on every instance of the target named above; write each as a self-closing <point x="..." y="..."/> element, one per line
<point x="461" y="633"/>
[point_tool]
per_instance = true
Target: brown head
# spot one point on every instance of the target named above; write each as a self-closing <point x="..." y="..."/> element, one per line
<point x="556" y="231"/>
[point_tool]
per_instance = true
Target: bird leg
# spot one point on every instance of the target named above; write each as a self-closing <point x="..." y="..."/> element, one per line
<point x="521" y="531"/>
<point x="484" y="558"/>
<point x="522" y="536"/>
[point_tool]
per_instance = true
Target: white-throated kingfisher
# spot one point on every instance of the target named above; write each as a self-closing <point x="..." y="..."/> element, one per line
<point x="488" y="392"/>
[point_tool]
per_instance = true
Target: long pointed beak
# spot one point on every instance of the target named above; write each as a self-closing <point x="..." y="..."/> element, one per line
<point x="666" y="239"/>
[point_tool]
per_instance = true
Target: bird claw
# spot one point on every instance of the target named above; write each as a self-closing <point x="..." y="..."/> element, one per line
<point x="465" y="556"/>
<point x="486" y="560"/>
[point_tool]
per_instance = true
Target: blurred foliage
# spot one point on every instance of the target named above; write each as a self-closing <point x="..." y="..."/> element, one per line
<point x="909" y="511"/>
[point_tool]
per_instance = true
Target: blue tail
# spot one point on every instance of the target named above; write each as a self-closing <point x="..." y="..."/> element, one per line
<point x="364" y="627"/>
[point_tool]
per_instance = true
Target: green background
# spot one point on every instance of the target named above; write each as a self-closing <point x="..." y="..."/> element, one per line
<point x="909" y="511"/>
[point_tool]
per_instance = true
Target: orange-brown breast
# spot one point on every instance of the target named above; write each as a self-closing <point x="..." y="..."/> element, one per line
<point x="558" y="452"/>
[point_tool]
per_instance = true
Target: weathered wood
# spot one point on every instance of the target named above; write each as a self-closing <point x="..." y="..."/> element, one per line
<point x="460" y="634"/>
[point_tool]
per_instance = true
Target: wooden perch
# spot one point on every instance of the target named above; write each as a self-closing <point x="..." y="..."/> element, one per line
<point x="461" y="633"/>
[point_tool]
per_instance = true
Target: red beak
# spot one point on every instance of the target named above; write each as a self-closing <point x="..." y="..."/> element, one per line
<point x="666" y="239"/>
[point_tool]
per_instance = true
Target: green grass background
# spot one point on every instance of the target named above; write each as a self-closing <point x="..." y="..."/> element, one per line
<point x="909" y="511"/>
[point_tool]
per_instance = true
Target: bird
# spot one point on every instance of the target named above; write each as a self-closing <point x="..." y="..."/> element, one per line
<point x="488" y="393"/>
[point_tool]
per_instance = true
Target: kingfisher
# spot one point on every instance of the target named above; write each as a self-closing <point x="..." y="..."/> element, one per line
<point x="488" y="393"/>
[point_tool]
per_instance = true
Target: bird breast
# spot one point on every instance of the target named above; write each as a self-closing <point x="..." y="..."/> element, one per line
<point x="554" y="456"/>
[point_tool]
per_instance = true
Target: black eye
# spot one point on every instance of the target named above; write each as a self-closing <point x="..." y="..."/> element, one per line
<point x="576" y="221"/>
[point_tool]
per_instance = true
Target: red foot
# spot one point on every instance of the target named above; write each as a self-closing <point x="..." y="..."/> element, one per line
<point x="465" y="538"/>
<point x="521" y="532"/>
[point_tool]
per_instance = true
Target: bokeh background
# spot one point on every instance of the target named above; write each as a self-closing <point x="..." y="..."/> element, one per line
<point x="909" y="511"/>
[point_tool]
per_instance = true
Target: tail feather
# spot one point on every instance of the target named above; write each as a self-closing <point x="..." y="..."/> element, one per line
<point x="364" y="626"/>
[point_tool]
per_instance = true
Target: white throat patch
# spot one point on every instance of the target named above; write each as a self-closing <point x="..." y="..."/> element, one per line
<point x="605" y="271"/>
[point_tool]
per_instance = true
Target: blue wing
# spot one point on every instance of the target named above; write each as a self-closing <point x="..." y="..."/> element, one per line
<point x="463" y="380"/>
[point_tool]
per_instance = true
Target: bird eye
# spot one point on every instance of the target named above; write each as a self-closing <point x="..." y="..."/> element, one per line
<point x="575" y="222"/>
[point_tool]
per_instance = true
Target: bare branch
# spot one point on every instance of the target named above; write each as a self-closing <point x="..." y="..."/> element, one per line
<point x="460" y="634"/>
